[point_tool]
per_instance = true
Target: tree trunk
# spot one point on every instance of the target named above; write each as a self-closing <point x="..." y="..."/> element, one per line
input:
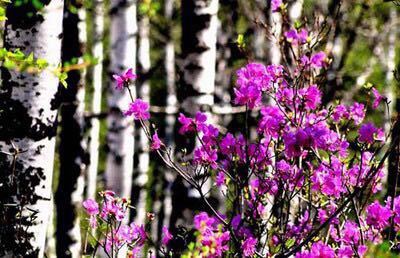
<point x="94" y="143"/>
<point x="275" y="21"/>
<point x="171" y="102"/>
<point x="120" y="136"/>
<point x="28" y="121"/>
<point x="199" y="40"/>
<point x="393" y="175"/>
<point x="70" y="187"/>
<point x="144" y="93"/>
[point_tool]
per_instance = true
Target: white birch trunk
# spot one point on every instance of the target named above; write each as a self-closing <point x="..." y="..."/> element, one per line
<point x="96" y="99"/>
<point x="199" y="60"/>
<point x="296" y="10"/>
<point x="29" y="114"/>
<point x="390" y="89"/>
<point x="172" y="102"/>
<point x="199" y="52"/>
<point x="275" y="51"/>
<point x="144" y="93"/>
<point x="120" y="136"/>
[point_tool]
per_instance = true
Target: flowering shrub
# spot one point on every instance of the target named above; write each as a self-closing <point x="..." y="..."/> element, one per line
<point x="302" y="187"/>
<point x="110" y="217"/>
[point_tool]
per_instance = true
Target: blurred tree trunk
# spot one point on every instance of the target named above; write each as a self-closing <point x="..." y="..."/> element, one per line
<point x="144" y="93"/>
<point x="68" y="196"/>
<point x="199" y="40"/>
<point x="393" y="171"/>
<point x="199" y="37"/>
<point x="171" y="101"/>
<point x="97" y="84"/>
<point x="275" y="21"/>
<point x="120" y="138"/>
<point x="28" y="121"/>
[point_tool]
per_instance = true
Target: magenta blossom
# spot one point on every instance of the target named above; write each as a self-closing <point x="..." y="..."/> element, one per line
<point x="297" y="37"/>
<point x="276" y="5"/>
<point x="124" y="79"/>
<point x="166" y="236"/>
<point x="377" y="98"/>
<point x="369" y="133"/>
<point x="156" y="143"/>
<point x="91" y="207"/>
<point x="249" y="247"/>
<point x="357" y="113"/>
<point x="378" y="216"/>
<point x="139" y="109"/>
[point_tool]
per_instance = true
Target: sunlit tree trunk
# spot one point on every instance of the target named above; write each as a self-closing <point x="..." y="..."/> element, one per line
<point x="199" y="38"/>
<point x="69" y="192"/>
<point x="144" y="93"/>
<point x="98" y="28"/>
<point x="199" y="52"/>
<point x="275" y="20"/>
<point x="393" y="171"/>
<point x="295" y="10"/>
<point x="27" y="120"/>
<point x="120" y="138"/>
<point x="172" y="101"/>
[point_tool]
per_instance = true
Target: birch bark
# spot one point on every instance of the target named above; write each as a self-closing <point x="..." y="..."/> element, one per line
<point x="28" y="120"/>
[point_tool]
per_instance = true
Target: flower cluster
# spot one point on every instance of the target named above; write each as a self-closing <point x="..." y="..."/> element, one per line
<point x="212" y="239"/>
<point x="111" y="213"/>
<point x="293" y="185"/>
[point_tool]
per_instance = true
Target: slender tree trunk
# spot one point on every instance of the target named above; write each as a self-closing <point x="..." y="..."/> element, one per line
<point x="120" y="136"/>
<point x="172" y="102"/>
<point x="393" y="171"/>
<point x="144" y="93"/>
<point x="275" y="54"/>
<point x="94" y="143"/>
<point x="70" y="187"/>
<point x="199" y="40"/>
<point x="28" y="121"/>
<point x="295" y="10"/>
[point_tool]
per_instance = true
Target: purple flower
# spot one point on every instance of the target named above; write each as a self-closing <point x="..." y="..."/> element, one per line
<point x="357" y="113"/>
<point x="220" y="179"/>
<point x="91" y="207"/>
<point x="156" y="143"/>
<point x="318" y="250"/>
<point x="190" y="124"/>
<point x="272" y="121"/>
<point x="139" y="109"/>
<point x="250" y="96"/>
<point x="318" y="60"/>
<point x="378" y="216"/>
<point x="340" y="112"/>
<point x="166" y="236"/>
<point x="368" y="133"/>
<point x="295" y="37"/>
<point x="312" y="97"/>
<point x="124" y="78"/>
<point x="377" y="98"/>
<point x="276" y="5"/>
<point x="249" y="247"/>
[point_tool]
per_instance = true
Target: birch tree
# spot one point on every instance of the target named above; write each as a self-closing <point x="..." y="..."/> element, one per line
<point x="144" y="93"/>
<point x="27" y="127"/>
<point x="68" y="196"/>
<point x="172" y="101"/>
<point x="120" y="139"/>
<point x="97" y="85"/>
<point x="199" y="38"/>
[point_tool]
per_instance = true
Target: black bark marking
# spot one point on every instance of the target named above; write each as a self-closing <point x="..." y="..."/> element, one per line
<point x="25" y="16"/>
